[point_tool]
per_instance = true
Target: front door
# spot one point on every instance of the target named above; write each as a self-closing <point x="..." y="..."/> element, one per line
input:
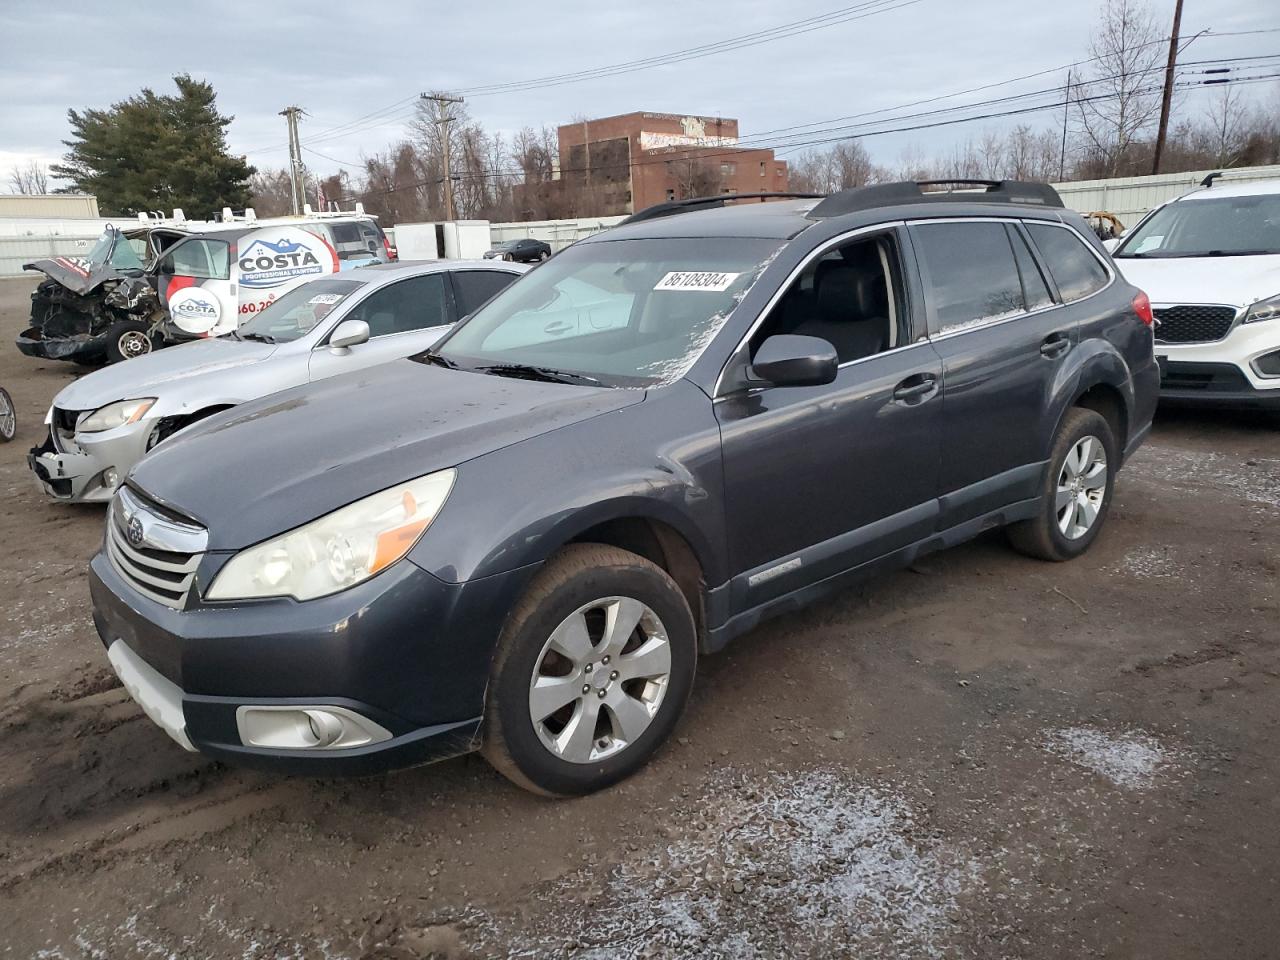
<point x="822" y="479"/>
<point x="194" y="283"/>
<point x="404" y="318"/>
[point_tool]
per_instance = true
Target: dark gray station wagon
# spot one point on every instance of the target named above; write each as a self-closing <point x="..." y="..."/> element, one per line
<point x="521" y="540"/>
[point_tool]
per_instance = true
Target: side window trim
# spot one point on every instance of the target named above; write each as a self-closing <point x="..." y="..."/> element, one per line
<point x="1018" y="233"/>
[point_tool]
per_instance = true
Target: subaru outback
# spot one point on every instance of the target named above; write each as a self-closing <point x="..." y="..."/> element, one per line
<point x="520" y="540"/>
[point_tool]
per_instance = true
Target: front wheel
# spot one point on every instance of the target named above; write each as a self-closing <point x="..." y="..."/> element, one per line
<point x="127" y="339"/>
<point x="8" y="417"/>
<point x="1077" y="490"/>
<point x="593" y="671"/>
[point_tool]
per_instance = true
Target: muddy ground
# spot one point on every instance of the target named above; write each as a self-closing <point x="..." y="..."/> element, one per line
<point x="983" y="757"/>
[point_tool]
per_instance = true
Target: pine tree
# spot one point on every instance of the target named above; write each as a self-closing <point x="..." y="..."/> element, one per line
<point x="156" y="152"/>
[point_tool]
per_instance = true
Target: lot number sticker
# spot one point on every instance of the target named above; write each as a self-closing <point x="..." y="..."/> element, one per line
<point x="697" y="280"/>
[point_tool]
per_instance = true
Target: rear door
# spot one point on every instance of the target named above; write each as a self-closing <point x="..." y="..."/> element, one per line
<point x="194" y="282"/>
<point x="404" y="318"/>
<point x="1003" y="341"/>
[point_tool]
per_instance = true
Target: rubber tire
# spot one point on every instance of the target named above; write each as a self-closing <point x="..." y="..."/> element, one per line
<point x="6" y="404"/>
<point x="1039" y="536"/>
<point x="117" y="330"/>
<point x="576" y="575"/>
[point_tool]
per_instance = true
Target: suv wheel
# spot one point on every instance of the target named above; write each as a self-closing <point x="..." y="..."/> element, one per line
<point x="127" y="339"/>
<point x="1077" y="492"/>
<point x="593" y="670"/>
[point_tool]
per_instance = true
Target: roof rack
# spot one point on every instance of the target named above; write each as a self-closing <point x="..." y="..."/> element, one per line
<point x="890" y="194"/>
<point x="672" y="207"/>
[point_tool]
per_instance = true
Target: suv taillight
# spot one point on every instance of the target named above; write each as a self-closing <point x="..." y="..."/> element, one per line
<point x="391" y="251"/>
<point x="1142" y="307"/>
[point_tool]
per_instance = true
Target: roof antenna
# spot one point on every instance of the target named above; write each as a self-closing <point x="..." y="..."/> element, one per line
<point x="1208" y="181"/>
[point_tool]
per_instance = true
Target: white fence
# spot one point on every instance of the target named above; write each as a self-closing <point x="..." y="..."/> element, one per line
<point x="1130" y="197"/>
<point x="558" y="233"/>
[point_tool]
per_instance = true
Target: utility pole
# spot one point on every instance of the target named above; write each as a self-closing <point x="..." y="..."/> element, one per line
<point x="296" y="172"/>
<point x="1167" y="101"/>
<point x="1066" y="114"/>
<point x="443" y="122"/>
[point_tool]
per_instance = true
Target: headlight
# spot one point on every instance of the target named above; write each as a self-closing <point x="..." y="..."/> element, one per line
<point x="339" y="550"/>
<point x="1267" y="309"/>
<point x="115" y="415"/>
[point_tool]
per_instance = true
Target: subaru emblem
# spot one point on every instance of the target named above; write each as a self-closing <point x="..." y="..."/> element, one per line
<point x="134" y="532"/>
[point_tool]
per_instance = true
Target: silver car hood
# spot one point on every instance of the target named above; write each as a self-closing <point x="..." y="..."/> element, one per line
<point x="146" y="376"/>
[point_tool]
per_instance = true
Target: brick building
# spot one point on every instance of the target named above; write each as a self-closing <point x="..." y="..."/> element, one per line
<point x="622" y="164"/>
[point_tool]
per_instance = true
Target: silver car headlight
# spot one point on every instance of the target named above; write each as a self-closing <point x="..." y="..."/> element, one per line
<point x="115" y="415"/>
<point x="1267" y="309"/>
<point x="338" y="550"/>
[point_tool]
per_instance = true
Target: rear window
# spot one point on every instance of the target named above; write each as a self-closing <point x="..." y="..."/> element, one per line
<point x="1076" y="270"/>
<point x="350" y="243"/>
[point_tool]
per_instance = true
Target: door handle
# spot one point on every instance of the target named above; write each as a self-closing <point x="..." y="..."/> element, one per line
<point x="917" y="388"/>
<point x="1055" y="345"/>
<point x="557" y="327"/>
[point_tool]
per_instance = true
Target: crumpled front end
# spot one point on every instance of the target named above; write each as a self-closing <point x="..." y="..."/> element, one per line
<point x="71" y="325"/>
<point x="87" y="467"/>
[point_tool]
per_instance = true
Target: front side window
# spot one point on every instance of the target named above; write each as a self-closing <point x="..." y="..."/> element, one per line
<point x="295" y="313"/>
<point x="203" y="259"/>
<point x="404" y="306"/>
<point x="851" y="297"/>
<point x="1208" y="227"/>
<point x="1075" y="269"/>
<point x="971" y="275"/>
<point x="623" y="312"/>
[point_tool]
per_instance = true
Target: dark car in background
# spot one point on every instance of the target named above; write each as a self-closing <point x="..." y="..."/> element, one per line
<point x="526" y="250"/>
<point x="520" y="540"/>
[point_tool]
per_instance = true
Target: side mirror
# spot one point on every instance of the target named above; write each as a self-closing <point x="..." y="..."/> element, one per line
<point x="789" y="360"/>
<point x="1111" y="244"/>
<point x="348" y="334"/>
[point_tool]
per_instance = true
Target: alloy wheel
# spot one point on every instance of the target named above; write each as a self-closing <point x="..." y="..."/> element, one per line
<point x="8" y="418"/>
<point x="1082" y="483"/>
<point x="600" y="679"/>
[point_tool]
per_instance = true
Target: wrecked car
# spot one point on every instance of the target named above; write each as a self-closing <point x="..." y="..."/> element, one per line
<point x="156" y="285"/>
<point x="102" y="424"/>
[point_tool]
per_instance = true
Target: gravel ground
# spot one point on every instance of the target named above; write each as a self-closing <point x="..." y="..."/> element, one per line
<point x="984" y="757"/>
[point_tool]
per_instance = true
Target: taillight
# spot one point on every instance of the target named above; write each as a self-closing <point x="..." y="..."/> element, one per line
<point x="391" y="251"/>
<point x="1142" y="307"/>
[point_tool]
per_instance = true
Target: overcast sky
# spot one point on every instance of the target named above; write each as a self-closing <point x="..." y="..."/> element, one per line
<point x="341" y="61"/>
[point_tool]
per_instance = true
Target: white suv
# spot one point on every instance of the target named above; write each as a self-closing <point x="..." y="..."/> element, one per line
<point x="1210" y="261"/>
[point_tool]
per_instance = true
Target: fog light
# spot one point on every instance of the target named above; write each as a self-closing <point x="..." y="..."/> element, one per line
<point x="110" y="478"/>
<point x="306" y="727"/>
<point x="1268" y="365"/>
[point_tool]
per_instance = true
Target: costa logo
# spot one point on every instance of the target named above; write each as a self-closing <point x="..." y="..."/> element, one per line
<point x="194" y="310"/>
<point x="274" y="260"/>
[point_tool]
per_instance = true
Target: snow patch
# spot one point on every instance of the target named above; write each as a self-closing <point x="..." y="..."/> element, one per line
<point x="1129" y="760"/>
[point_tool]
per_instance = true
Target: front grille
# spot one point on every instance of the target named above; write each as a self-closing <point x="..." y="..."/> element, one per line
<point x="63" y="430"/>
<point x="164" y="575"/>
<point x="1193" y="323"/>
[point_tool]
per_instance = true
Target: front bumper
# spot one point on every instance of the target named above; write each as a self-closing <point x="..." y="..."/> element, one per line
<point x="1214" y="385"/>
<point x="85" y="349"/>
<point x="91" y="473"/>
<point x="405" y="650"/>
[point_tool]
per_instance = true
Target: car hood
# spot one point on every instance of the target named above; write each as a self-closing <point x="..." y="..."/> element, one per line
<point x="77" y="274"/>
<point x="1238" y="281"/>
<point x="273" y="464"/>
<point x="148" y="375"/>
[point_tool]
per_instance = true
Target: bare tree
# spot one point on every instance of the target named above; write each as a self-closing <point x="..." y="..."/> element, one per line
<point x="1227" y="117"/>
<point x="32" y="179"/>
<point x="1117" y="105"/>
<point x="270" y="193"/>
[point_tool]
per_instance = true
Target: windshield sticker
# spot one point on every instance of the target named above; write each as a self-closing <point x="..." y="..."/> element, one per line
<point x="697" y="280"/>
<point x="329" y="298"/>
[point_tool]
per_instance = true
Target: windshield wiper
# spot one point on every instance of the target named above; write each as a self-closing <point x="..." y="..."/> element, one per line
<point x="259" y="337"/>
<point x="524" y="371"/>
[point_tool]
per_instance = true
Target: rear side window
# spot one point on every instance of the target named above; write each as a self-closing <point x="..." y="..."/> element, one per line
<point x="405" y="306"/>
<point x="349" y="243"/>
<point x="971" y="274"/>
<point x="474" y="287"/>
<point x="1074" y="267"/>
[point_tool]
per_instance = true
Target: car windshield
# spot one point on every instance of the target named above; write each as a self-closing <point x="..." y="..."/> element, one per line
<point x="621" y="313"/>
<point x="1209" y="227"/>
<point x="112" y="244"/>
<point x="297" y="312"/>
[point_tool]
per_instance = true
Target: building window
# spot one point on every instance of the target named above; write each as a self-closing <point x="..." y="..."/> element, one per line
<point x="728" y="169"/>
<point x="763" y="167"/>
<point x="671" y="194"/>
